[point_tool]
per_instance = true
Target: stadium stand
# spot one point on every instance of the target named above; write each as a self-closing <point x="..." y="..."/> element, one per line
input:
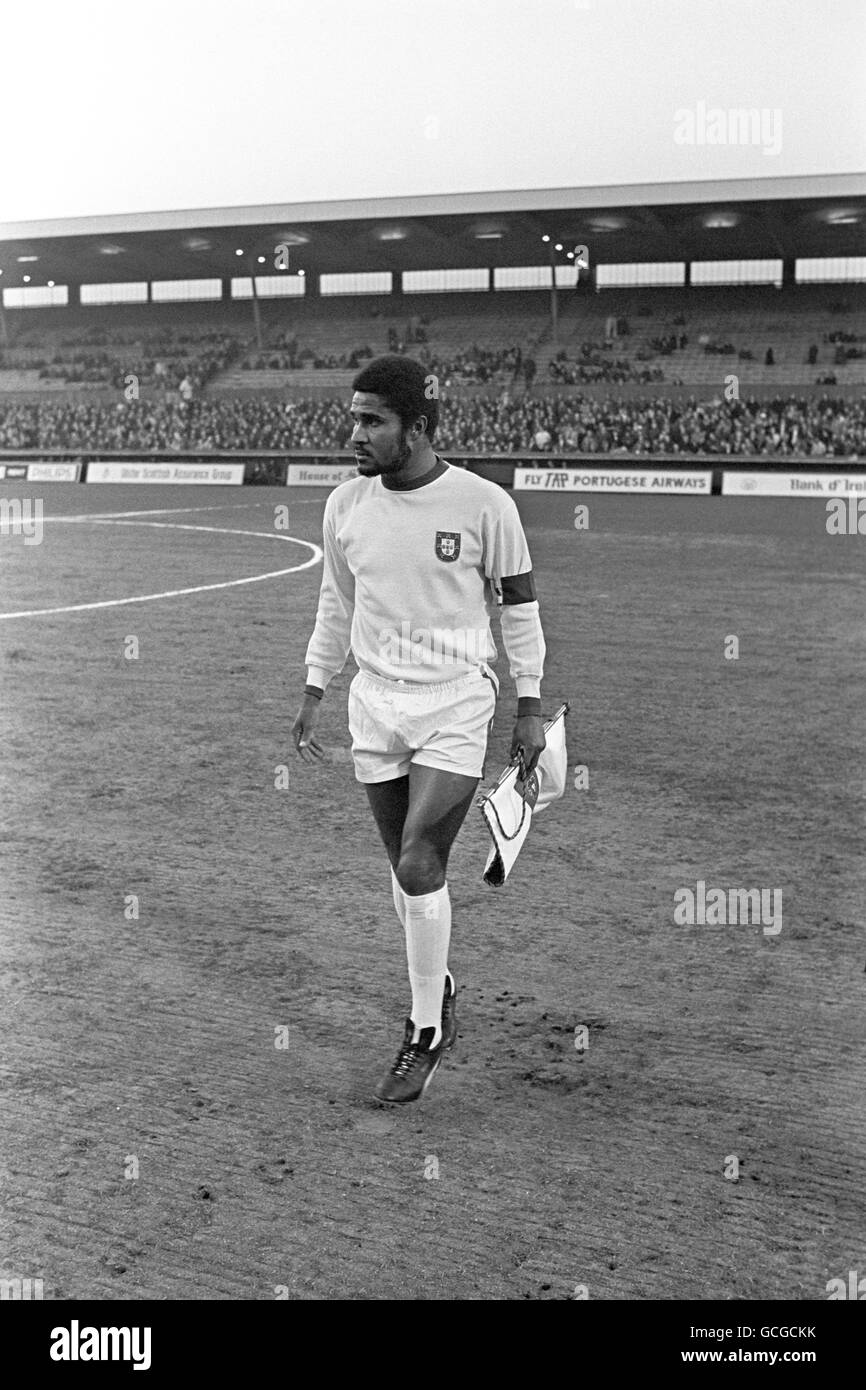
<point x="510" y="385"/>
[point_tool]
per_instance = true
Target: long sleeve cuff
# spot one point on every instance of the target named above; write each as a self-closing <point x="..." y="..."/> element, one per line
<point x="528" y="685"/>
<point x="317" y="675"/>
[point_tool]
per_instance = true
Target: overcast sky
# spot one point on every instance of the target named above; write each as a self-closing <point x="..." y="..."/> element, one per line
<point x="109" y="106"/>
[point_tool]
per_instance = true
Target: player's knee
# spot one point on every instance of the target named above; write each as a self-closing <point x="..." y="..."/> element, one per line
<point x="419" y="869"/>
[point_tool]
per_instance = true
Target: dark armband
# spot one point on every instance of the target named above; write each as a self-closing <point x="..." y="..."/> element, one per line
<point x="314" y="691"/>
<point x="528" y="704"/>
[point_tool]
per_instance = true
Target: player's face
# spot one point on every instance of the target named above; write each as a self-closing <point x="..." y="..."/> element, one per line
<point x="379" y="440"/>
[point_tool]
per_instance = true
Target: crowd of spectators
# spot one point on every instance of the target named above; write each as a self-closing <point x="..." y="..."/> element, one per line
<point x="782" y="427"/>
<point x="841" y="336"/>
<point x="478" y="365"/>
<point x="668" y="343"/>
<point x="472" y="366"/>
<point x="290" y="356"/>
<point x="208" y="424"/>
<point x="593" y="364"/>
<point x="165" y="359"/>
<point x="283" y="352"/>
<point x="842" y="342"/>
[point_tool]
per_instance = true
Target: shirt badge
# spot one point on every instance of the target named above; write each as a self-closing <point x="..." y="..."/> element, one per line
<point x="447" y="545"/>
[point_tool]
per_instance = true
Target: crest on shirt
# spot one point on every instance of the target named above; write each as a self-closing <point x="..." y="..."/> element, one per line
<point x="447" y="545"/>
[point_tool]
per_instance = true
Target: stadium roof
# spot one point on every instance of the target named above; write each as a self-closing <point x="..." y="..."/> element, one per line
<point x="821" y="216"/>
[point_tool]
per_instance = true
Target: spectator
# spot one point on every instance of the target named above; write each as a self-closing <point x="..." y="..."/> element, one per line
<point x="542" y="439"/>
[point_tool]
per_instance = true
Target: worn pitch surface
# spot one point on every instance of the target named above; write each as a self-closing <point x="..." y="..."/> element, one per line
<point x="148" y="1044"/>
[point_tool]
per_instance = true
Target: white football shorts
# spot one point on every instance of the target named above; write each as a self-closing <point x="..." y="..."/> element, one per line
<point x="443" y="725"/>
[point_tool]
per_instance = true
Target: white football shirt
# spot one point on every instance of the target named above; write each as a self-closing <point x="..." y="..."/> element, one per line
<point x="412" y="578"/>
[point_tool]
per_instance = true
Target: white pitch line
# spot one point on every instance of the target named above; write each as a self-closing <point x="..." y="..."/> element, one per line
<point x="219" y="530"/>
<point x="152" y="511"/>
<point x="316" y="556"/>
<point x="177" y="511"/>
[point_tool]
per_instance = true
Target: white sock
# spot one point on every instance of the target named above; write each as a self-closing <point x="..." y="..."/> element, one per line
<point x="428" y="935"/>
<point x="399" y="901"/>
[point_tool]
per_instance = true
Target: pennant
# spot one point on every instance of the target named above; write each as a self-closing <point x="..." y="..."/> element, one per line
<point x="509" y="807"/>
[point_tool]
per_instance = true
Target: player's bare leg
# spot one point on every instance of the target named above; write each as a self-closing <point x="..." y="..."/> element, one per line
<point x="438" y="804"/>
<point x="389" y="802"/>
<point x="433" y="805"/>
<point x="419" y="821"/>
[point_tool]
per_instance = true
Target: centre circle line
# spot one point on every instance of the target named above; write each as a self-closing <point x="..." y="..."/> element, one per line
<point x="317" y="555"/>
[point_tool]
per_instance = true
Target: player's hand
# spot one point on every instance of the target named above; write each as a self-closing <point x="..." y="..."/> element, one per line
<point x="529" y="736"/>
<point x="308" y="747"/>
